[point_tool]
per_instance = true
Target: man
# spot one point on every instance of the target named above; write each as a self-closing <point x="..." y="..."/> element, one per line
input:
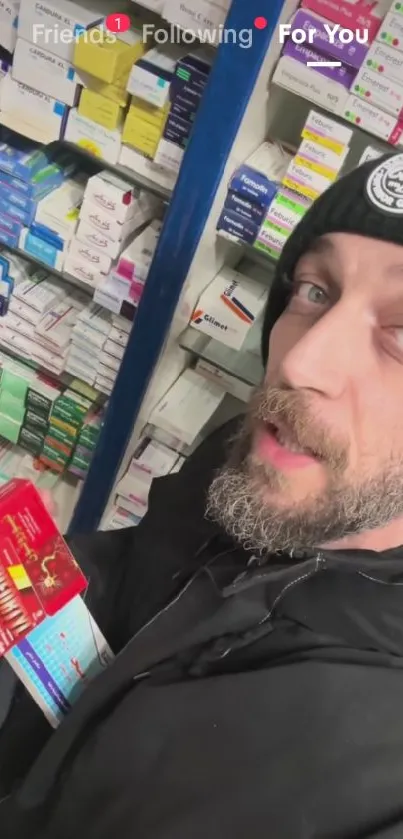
<point x="263" y="695"/>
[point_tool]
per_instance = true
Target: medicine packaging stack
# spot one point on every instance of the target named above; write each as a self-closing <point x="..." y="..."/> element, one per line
<point x="185" y="93"/>
<point x="150" y="460"/>
<point x="133" y="265"/>
<point x="27" y="175"/>
<point x="316" y="165"/>
<point x="98" y="342"/>
<point x="9" y="10"/>
<point x="250" y="192"/>
<point x="112" y="212"/>
<point x="204" y="16"/>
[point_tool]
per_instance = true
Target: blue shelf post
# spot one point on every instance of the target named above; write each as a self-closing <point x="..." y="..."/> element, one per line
<point x="226" y="97"/>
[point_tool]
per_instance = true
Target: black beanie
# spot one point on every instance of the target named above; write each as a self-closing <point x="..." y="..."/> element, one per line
<point x="367" y="201"/>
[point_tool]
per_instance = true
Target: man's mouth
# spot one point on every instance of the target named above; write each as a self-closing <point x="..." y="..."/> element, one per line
<point x="278" y="445"/>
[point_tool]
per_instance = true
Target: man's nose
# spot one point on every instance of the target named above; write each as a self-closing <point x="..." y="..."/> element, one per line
<point x="325" y="357"/>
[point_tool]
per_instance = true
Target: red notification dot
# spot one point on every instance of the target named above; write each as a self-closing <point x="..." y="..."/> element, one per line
<point x="260" y="23"/>
<point x="118" y="22"/>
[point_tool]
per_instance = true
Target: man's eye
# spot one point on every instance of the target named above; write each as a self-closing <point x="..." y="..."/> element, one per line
<point x="309" y="293"/>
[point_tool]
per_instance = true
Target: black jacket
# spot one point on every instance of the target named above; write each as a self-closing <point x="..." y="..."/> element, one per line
<point x="264" y="700"/>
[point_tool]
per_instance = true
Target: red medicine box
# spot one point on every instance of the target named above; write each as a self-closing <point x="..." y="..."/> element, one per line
<point x="38" y="573"/>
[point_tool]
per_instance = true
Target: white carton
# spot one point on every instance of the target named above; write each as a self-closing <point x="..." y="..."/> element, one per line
<point x="152" y="459"/>
<point x="370" y="153"/>
<point x="95" y="138"/>
<point x="270" y="159"/>
<point x="306" y="82"/>
<point x="88" y="235"/>
<point x="386" y="61"/>
<point x="8" y="23"/>
<point x="44" y="71"/>
<point x="391" y="30"/>
<point x="44" y="21"/>
<point x="327" y="132"/>
<point x="111" y="193"/>
<point x="373" y="119"/>
<point x="59" y="210"/>
<point x="377" y="89"/>
<point x="40" y="291"/>
<point x="169" y="155"/>
<point x="322" y="156"/>
<point x="31" y="112"/>
<point x="82" y="270"/>
<point x="96" y="260"/>
<point x="150" y="77"/>
<point x="56" y="327"/>
<point x="187" y="407"/>
<point x="305" y="180"/>
<point x="228" y="307"/>
<point x="102" y="221"/>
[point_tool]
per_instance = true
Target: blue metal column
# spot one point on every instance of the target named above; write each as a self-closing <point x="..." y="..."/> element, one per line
<point x="226" y="97"/>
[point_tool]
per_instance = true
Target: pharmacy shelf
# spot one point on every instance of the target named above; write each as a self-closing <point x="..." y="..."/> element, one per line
<point x="242" y="364"/>
<point x="66" y="380"/>
<point x="129" y="175"/>
<point x="153" y="358"/>
<point x="128" y="310"/>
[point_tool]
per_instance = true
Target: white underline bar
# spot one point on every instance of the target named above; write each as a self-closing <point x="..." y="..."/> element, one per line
<point x="323" y="64"/>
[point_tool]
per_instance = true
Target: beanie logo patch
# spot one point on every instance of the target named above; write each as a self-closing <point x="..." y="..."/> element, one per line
<point x="384" y="187"/>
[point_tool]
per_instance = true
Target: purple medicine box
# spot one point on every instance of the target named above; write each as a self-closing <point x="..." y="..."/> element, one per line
<point x="352" y="54"/>
<point x="303" y="53"/>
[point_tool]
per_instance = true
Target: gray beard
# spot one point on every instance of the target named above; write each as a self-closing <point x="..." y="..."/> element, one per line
<point x="237" y="503"/>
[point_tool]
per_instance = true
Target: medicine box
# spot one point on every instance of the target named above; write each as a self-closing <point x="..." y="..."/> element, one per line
<point x="302" y="178"/>
<point x="327" y="132"/>
<point x="59" y="210"/>
<point x="187" y="408"/>
<point x="169" y="155"/>
<point x="82" y="270"/>
<point x="142" y="136"/>
<point x="386" y="61"/>
<point x="141" y="110"/>
<point x="306" y="82"/>
<point x="97" y="260"/>
<point x="379" y="90"/>
<point x="244" y="208"/>
<point x="238" y="228"/>
<point x="100" y="109"/>
<point x="107" y="57"/>
<point x="32" y="113"/>
<point x="94" y="138"/>
<point x="391" y="31"/>
<point x="351" y="14"/>
<point x="228" y="307"/>
<point x="286" y="210"/>
<point x="204" y="16"/>
<point x="44" y="71"/>
<point x="150" y="76"/>
<point x="300" y="52"/>
<point x="104" y="222"/>
<point x="115" y="92"/>
<point x="37" y="19"/>
<point x="351" y="54"/>
<point x="112" y="194"/>
<point x="136" y="162"/>
<point x="8" y="23"/>
<point x="373" y="119"/>
<point x="271" y="240"/>
<point x="89" y="236"/>
<point x="41" y="249"/>
<point x="136" y="258"/>
<point x="322" y="159"/>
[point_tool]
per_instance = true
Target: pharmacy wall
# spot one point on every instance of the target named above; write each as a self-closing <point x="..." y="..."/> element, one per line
<point x="113" y="144"/>
<point x="328" y="96"/>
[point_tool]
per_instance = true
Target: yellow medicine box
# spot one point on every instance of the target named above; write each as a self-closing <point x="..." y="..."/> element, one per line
<point x="100" y="109"/>
<point x="139" y="109"/>
<point x="116" y="92"/>
<point x="142" y="136"/>
<point x="106" y="60"/>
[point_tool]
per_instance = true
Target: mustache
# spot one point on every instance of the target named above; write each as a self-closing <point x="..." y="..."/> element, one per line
<point x="292" y="412"/>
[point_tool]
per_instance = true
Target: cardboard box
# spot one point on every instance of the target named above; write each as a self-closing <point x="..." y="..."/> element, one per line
<point x="8" y="23"/>
<point x="31" y="112"/>
<point x="112" y="194"/>
<point x="286" y="210"/>
<point x="59" y="210"/>
<point x="115" y="92"/>
<point x="101" y="110"/>
<point x="150" y="76"/>
<point x="157" y="174"/>
<point x="351" y="14"/>
<point x="90" y="237"/>
<point x="44" y="71"/>
<point x="44" y="22"/>
<point x="240" y="229"/>
<point x="43" y="251"/>
<point x="98" y="261"/>
<point x="142" y="136"/>
<point x="385" y="60"/>
<point x="301" y="52"/>
<point x="228" y="307"/>
<point x="109" y="58"/>
<point x="352" y="54"/>
<point x="372" y="119"/>
<point x="82" y="270"/>
<point x="379" y="90"/>
<point x="391" y="30"/>
<point x="37" y="571"/>
<point x="306" y="82"/>
<point x="104" y="222"/>
<point x="169" y="156"/>
<point x="327" y="132"/>
<point x="271" y="240"/>
<point x="96" y="139"/>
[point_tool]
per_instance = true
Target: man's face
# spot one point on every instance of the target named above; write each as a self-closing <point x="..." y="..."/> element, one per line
<point x="320" y="455"/>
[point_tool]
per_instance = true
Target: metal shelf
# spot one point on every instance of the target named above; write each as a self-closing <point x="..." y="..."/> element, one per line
<point x="127" y="311"/>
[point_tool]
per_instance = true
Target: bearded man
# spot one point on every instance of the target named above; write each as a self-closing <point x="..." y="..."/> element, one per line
<point x="262" y="691"/>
